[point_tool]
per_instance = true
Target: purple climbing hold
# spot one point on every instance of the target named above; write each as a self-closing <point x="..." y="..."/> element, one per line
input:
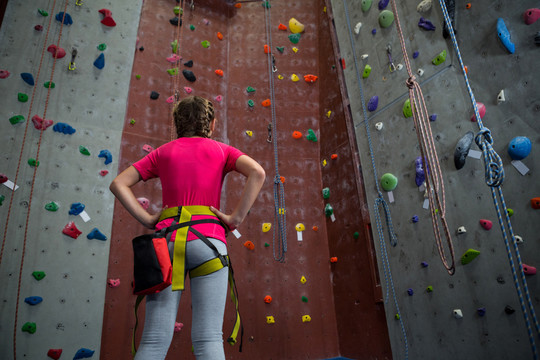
<point x="383" y="4"/>
<point x="96" y="234"/>
<point x="425" y="264"/>
<point x="420" y="173"/>
<point x="100" y="61"/>
<point x="415" y="219"/>
<point x="410" y="292"/>
<point x="481" y="311"/>
<point x="415" y="54"/>
<point x="373" y="103"/>
<point x="107" y="155"/>
<point x="28" y="78"/>
<point x="432" y="117"/>
<point x="374" y="31"/>
<point x="76" y="208"/>
<point x="426" y="24"/>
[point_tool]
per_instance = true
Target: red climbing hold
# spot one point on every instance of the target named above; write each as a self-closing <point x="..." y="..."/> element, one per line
<point x="103" y="172"/>
<point x="310" y="78"/>
<point x="4" y="74"/>
<point x="54" y="353"/>
<point x="219" y="35"/>
<point x="57" y="52"/>
<point x="38" y="27"/>
<point x="333" y="259"/>
<point x="481" y="111"/>
<point x="107" y="20"/>
<point x="219" y="72"/>
<point x="486" y="224"/>
<point x="333" y="157"/>
<point x="41" y="124"/>
<point x="297" y="134"/>
<point x="266" y="49"/>
<point x="3" y="178"/>
<point x="282" y="27"/>
<point x="535" y="203"/>
<point x="528" y="269"/>
<point x="71" y="230"/>
<point x="268" y="299"/>
<point x="249" y="245"/>
<point x="266" y="103"/>
<point x="530" y="16"/>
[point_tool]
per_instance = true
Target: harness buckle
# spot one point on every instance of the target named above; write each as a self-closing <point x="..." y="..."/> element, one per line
<point x="223" y="260"/>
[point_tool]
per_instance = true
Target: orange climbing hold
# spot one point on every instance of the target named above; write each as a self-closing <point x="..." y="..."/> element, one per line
<point x="219" y="72"/>
<point x="315" y="228"/>
<point x="266" y="49"/>
<point x="238" y="5"/>
<point x="468" y="6"/>
<point x="266" y="103"/>
<point x="282" y="27"/>
<point x="219" y="35"/>
<point x="249" y="245"/>
<point x="268" y="299"/>
<point x="333" y="259"/>
<point x="535" y="203"/>
<point x="282" y="179"/>
<point x="310" y="78"/>
<point x="333" y="157"/>
<point x="297" y="134"/>
<point x="466" y="70"/>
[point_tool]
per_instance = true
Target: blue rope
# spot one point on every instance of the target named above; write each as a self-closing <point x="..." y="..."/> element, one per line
<point x="280" y="224"/>
<point x="379" y="201"/>
<point x="494" y="178"/>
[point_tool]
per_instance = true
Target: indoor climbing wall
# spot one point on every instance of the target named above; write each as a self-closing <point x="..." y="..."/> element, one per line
<point x="62" y="118"/>
<point x="476" y="313"/>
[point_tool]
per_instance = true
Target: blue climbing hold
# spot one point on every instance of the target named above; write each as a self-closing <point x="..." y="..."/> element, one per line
<point x="100" y="61"/>
<point x="410" y="292"/>
<point x="76" y="208"/>
<point x="107" y="155"/>
<point x="33" y="300"/>
<point x="383" y="4"/>
<point x="504" y="36"/>
<point x="415" y="54"/>
<point x="67" y="19"/>
<point x="63" y="128"/>
<point x="426" y="24"/>
<point x="83" y="353"/>
<point x="432" y="117"/>
<point x="519" y="147"/>
<point x="96" y="234"/>
<point x="373" y="103"/>
<point x="28" y="78"/>
<point x="374" y="31"/>
<point x="420" y="173"/>
<point x="415" y="219"/>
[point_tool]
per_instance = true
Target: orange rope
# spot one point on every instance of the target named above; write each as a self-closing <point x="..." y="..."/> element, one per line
<point x="176" y="78"/>
<point x="434" y="179"/>
<point x="34" y="174"/>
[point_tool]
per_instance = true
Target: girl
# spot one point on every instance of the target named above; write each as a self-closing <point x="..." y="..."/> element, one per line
<point x="191" y="169"/>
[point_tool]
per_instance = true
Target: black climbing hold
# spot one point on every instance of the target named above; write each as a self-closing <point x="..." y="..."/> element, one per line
<point x="189" y="63"/>
<point x="462" y="149"/>
<point x="189" y="75"/>
<point x="141" y="48"/>
<point x="176" y="21"/>
<point x="537" y="39"/>
<point x="451" y="7"/>
<point x="154" y="95"/>
<point x="509" y="310"/>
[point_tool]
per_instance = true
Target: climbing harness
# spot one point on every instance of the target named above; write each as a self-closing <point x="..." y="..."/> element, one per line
<point x="279" y="237"/>
<point x="430" y="160"/>
<point x="379" y="201"/>
<point x="182" y="224"/>
<point x="494" y="177"/>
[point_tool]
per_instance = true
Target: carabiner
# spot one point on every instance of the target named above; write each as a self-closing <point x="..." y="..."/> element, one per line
<point x="274" y="67"/>
<point x="389" y="53"/>
<point x="71" y="65"/>
<point x="79" y="2"/>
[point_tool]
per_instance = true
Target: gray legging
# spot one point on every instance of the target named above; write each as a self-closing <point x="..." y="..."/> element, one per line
<point x="208" y="295"/>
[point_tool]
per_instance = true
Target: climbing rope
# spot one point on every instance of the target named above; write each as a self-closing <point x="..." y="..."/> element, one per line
<point x="494" y="177"/>
<point x="279" y="237"/>
<point x="176" y="77"/>
<point x="379" y="201"/>
<point x="430" y="160"/>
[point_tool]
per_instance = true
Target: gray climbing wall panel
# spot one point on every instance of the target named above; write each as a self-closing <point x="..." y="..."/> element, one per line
<point x="93" y="102"/>
<point x="432" y="330"/>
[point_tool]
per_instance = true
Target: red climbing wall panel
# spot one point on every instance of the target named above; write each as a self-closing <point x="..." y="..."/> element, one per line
<point x="299" y="106"/>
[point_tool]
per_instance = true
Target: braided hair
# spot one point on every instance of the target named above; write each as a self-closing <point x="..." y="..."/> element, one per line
<point x="193" y="116"/>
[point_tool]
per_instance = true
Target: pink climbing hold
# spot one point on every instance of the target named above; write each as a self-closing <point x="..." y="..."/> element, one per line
<point x="219" y="98"/>
<point x="481" y="111"/>
<point x="145" y="203"/>
<point x="4" y="74"/>
<point x="41" y="124"/>
<point x="3" y="178"/>
<point x="57" y="52"/>
<point x="486" y="224"/>
<point x="103" y="172"/>
<point x="71" y="230"/>
<point x="174" y="58"/>
<point x="528" y="270"/>
<point x="54" y="353"/>
<point x="530" y="16"/>
<point x="170" y="99"/>
<point x="188" y="90"/>
<point x="147" y="148"/>
<point x="178" y="326"/>
<point x="113" y="283"/>
<point x="107" y="20"/>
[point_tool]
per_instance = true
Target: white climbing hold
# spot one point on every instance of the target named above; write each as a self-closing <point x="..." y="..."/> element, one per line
<point x="357" y="28"/>
<point x="420" y="72"/>
<point x="424" y="6"/>
<point x="379" y="126"/>
<point x="519" y="239"/>
<point x="461" y="230"/>
<point x="364" y="57"/>
<point x="458" y="314"/>
<point x="500" y="97"/>
<point x="399" y="66"/>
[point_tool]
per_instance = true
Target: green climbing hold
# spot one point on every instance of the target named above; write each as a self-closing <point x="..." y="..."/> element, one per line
<point x="102" y="47"/>
<point x="84" y="150"/>
<point x="328" y="210"/>
<point x="356" y="235"/>
<point x="38" y="275"/>
<point x="49" y="84"/>
<point x="266" y="4"/>
<point x="250" y="89"/>
<point x="173" y="71"/>
<point x="407" y="109"/>
<point x="266" y="245"/>
<point x="386" y="18"/>
<point x="178" y="10"/>
<point x="251" y="103"/>
<point x="366" y="5"/>
<point x="52" y="206"/>
<point x="138" y="77"/>
<point x="304" y="299"/>
<point x="192" y="27"/>
<point x="510" y="212"/>
<point x="281" y="49"/>
<point x="29" y="327"/>
<point x="2" y="198"/>
<point x="326" y="193"/>
<point x="43" y="12"/>
<point x="439" y="59"/>
<point x="429" y="288"/>
<point x="389" y="182"/>
<point x="294" y="38"/>
<point x="367" y="71"/>
<point x="205" y="44"/>
<point x="132" y="121"/>
<point x="174" y="46"/>
<point x="311" y="136"/>
<point x="22" y="97"/>
<point x="16" y="119"/>
<point x="469" y="256"/>
<point x="33" y="162"/>
<point x="397" y="316"/>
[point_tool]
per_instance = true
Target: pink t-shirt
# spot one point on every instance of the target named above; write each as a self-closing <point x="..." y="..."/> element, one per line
<point x="191" y="171"/>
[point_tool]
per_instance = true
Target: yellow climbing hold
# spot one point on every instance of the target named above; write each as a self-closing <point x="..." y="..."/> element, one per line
<point x="295" y="26"/>
<point x="324" y="162"/>
<point x="306" y="318"/>
<point x="300" y="227"/>
<point x="270" y="320"/>
<point x="295" y="49"/>
<point x="280" y="77"/>
<point x="303" y="280"/>
<point x="266" y="227"/>
<point x="295" y="77"/>
<point x="249" y="133"/>
<point x="328" y="114"/>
